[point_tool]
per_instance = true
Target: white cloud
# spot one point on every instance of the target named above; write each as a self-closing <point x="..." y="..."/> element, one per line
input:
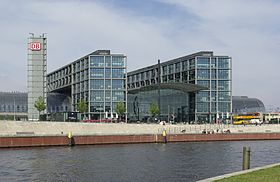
<point x="75" y="29"/>
<point x="246" y="30"/>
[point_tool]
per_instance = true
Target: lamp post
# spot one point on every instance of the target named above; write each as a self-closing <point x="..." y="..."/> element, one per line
<point x="14" y="108"/>
<point x="159" y="81"/>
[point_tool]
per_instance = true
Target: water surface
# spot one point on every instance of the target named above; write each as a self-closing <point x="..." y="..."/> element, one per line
<point x="133" y="162"/>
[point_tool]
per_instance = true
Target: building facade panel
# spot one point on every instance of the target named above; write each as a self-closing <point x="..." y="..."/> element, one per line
<point x="37" y="70"/>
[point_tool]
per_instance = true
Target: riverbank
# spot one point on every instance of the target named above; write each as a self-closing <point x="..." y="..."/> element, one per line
<point x="265" y="173"/>
<point x="21" y="134"/>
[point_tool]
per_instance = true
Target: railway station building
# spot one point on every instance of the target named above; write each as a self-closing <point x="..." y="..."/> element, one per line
<point x="98" y="78"/>
<point x="193" y="88"/>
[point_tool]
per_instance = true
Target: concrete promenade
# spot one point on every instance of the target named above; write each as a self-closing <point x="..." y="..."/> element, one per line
<point x="16" y="128"/>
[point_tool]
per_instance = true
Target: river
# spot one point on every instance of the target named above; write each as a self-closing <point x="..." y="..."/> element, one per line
<point x="133" y="162"/>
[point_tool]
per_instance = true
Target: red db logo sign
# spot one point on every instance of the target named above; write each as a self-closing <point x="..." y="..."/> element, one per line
<point x="35" y="46"/>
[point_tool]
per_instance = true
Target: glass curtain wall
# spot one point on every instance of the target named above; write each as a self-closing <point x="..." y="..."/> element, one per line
<point x="213" y="105"/>
<point x="107" y="85"/>
<point x="12" y="104"/>
<point x="174" y="105"/>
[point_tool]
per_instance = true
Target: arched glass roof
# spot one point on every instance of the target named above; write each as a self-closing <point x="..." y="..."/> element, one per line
<point x="246" y="104"/>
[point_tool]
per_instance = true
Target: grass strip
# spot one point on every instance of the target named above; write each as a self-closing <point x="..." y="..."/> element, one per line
<point x="263" y="175"/>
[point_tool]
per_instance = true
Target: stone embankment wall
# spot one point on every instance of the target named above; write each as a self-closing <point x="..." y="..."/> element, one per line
<point x="11" y="128"/>
<point x="31" y="141"/>
<point x="25" y="134"/>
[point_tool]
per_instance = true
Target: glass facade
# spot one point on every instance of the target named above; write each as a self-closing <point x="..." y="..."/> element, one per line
<point x="174" y="105"/>
<point x="107" y="85"/>
<point x="215" y="73"/>
<point x="98" y="78"/>
<point x="58" y="103"/>
<point x="13" y="106"/>
<point x="202" y="68"/>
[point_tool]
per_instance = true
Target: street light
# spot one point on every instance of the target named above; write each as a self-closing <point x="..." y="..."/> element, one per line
<point x="14" y="107"/>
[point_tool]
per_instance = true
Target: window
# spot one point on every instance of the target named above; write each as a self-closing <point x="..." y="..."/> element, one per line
<point x="213" y="96"/>
<point x="170" y="68"/>
<point x="107" y="84"/>
<point x="164" y="79"/>
<point x="192" y="63"/>
<point x="202" y="96"/>
<point x="97" y="84"/>
<point x="170" y="78"/>
<point x="97" y="73"/>
<point x="213" y="63"/>
<point x="213" y="85"/>
<point x="177" y="77"/>
<point x="203" y="74"/>
<point x="107" y="73"/>
<point x="117" y="96"/>
<point x="97" y="95"/>
<point x="97" y="61"/>
<point x="108" y="61"/>
<point x="224" y="96"/>
<point x="223" y="63"/>
<point x="213" y="74"/>
<point x="223" y="85"/>
<point x="203" y="62"/>
<point x="142" y="76"/>
<point x="223" y="107"/>
<point x="118" y="84"/>
<point x="164" y="70"/>
<point x="177" y="67"/>
<point x="185" y="76"/>
<point x="118" y="73"/>
<point x="97" y="107"/>
<point x="223" y="74"/>
<point x="107" y="107"/>
<point x="191" y="75"/>
<point x="205" y="83"/>
<point x="118" y="61"/>
<point x="185" y="65"/>
<point x="108" y="96"/>
<point x="147" y="75"/>
<point x="213" y="107"/>
<point x="202" y="107"/>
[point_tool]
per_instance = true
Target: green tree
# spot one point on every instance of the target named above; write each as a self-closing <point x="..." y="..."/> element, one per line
<point x="154" y="109"/>
<point x="40" y="104"/>
<point x="120" y="109"/>
<point x="82" y="106"/>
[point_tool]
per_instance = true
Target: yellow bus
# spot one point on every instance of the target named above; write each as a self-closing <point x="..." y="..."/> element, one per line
<point x="249" y="118"/>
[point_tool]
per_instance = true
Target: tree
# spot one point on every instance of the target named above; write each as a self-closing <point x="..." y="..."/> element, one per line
<point x="154" y="109"/>
<point x="82" y="106"/>
<point x="40" y="104"/>
<point x="120" y="109"/>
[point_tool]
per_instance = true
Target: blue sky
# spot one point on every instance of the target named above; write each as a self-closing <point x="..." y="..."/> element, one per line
<point x="145" y="31"/>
